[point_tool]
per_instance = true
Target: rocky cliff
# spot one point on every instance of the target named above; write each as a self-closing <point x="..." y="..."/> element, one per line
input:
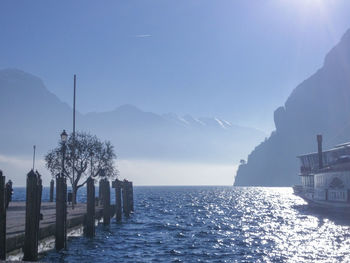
<point x="321" y="104"/>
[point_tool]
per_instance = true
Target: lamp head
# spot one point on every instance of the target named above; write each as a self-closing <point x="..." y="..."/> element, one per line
<point x="64" y="136"/>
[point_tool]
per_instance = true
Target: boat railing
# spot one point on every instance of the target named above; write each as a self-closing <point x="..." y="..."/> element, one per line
<point x="336" y="168"/>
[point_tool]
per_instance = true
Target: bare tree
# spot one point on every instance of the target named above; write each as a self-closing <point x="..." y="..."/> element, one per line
<point x="92" y="158"/>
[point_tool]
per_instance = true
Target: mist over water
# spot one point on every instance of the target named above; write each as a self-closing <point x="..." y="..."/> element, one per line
<point x="141" y="172"/>
<point x="216" y="224"/>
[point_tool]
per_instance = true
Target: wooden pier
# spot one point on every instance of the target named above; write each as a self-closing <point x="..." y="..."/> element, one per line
<point x="24" y="224"/>
<point x="15" y="228"/>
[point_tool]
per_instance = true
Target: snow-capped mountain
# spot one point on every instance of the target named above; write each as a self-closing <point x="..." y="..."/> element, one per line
<point x="31" y="115"/>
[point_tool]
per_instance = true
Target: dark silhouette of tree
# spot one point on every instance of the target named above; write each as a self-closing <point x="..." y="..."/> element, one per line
<point x="92" y="158"/>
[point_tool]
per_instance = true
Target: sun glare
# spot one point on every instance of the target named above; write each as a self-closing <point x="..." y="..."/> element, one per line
<point x="318" y="4"/>
<point x="308" y="10"/>
<point x="307" y="5"/>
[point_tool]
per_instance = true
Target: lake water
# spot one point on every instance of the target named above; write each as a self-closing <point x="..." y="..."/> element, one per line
<point x="214" y="224"/>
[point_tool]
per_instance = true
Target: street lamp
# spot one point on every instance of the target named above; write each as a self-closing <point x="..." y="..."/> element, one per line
<point x="64" y="137"/>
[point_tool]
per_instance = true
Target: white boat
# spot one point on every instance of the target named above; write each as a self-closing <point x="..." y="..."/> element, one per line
<point x="325" y="178"/>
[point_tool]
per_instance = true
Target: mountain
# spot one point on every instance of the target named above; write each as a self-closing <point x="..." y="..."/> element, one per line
<point x="319" y="105"/>
<point x="30" y="114"/>
<point x="139" y="134"/>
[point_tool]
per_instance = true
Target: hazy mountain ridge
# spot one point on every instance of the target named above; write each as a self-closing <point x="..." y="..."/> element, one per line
<point x="28" y="112"/>
<point x="31" y="115"/>
<point x="320" y="104"/>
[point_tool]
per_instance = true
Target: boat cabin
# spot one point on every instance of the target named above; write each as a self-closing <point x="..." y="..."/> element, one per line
<point x="325" y="175"/>
<point x="310" y="163"/>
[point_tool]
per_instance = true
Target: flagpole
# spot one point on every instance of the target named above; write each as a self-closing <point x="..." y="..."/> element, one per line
<point x="73" y="150"/>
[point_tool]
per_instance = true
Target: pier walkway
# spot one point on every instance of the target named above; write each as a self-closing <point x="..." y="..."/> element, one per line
<point x="15" y="224"/>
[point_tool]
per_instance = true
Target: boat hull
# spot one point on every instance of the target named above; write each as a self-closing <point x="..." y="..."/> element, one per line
<point x="331" y="206"/>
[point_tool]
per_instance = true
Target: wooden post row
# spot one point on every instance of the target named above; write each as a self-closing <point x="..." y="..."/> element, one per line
<point x="33" y="204"/>
<point x="90" y="215"/>
<point x="2" y="218"/>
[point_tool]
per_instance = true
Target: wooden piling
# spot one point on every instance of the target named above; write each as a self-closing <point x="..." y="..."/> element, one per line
<point x="131" y="196"/>
<point x="2" y="218"/>
<point x="126" y="208"/>
<point x="118" y="199"/>
<point x="33" y="204"/>
<point x="106" y="202"/>
<point x="61" y="214"/>
<point x="39" y="196"/>
<point x="52" y="185"/>
<point x="90" y="216"/>
<point x="30" y="223"/>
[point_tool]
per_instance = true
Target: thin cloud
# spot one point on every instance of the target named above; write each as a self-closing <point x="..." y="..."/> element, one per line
<point x="143" y="36"/>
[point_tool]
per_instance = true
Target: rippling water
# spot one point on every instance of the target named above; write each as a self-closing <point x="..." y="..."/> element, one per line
<point x="216" y="224"/>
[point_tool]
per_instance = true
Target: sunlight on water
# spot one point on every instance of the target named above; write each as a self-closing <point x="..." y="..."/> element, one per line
<point x="220" y="224"/>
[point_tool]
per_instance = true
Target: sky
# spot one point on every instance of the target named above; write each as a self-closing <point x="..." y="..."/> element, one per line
<point x="233" y="59"/>
<point x="237" y="60"/>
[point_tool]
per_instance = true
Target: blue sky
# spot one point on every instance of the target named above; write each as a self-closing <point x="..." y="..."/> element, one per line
<point x="237" y="60"/>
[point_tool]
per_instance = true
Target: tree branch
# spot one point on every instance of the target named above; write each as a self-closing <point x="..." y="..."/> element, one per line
<point x="78" y="186"/>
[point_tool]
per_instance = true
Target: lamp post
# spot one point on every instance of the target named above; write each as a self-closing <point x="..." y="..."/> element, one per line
<point x="64" y="137"/>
